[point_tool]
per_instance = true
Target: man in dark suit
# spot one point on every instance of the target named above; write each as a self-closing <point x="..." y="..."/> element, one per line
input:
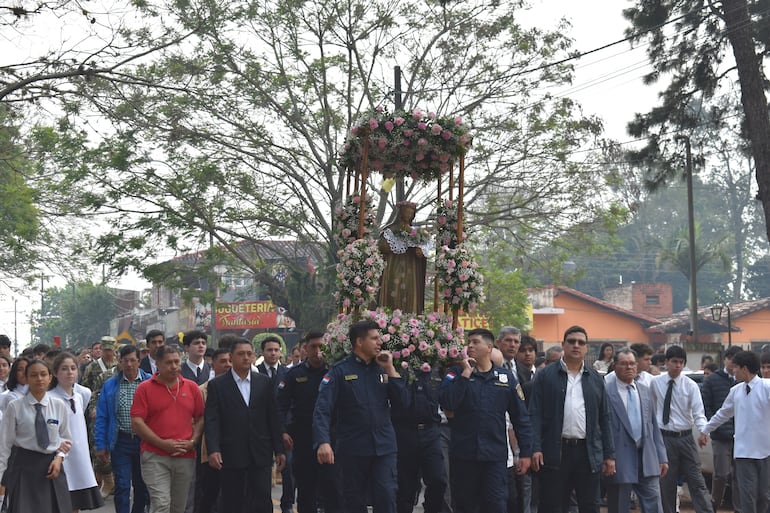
<point x="639" y="449"/>
<point x="196" y="368"/>
<point x="571" y="429"/>
<point x="155" y="339"/>
<point x="272" y="367"/>
<point x="243" y="433"/>
<point x="527" y="484"/>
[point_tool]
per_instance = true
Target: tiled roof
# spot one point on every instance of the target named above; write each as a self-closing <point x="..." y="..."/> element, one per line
<point x="680" y="321"/>
<point x="645" y="320"/>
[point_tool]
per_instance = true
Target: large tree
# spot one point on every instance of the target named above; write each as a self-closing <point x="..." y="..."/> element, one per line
<point x="232" y="135"/>
<point x="688" y="41"/>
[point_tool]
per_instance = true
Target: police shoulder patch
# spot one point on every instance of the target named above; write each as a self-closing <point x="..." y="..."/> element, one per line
<point x="450" y="376"/>
<point x="326" y="380"/>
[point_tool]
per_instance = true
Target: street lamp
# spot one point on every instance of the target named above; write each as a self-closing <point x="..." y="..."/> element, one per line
<point x="716" y="314"/>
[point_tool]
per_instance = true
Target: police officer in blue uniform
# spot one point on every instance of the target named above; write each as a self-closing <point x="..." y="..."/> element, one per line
<point x="356" y="394"/>
<point x="479" y="394"/>
<point x="419" y="446"/>
<point x="297" y="394"/>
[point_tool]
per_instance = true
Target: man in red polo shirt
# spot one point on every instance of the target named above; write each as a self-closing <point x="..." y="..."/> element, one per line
<point x="167" y="414"/>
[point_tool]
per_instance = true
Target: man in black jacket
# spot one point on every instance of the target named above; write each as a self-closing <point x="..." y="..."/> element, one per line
<point x="714" y="391"/>
<point x="243" y="433"/>
<point x="571" y="429"/>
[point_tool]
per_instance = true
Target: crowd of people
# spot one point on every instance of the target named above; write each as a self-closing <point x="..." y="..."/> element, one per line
<point x="175" y="426"/>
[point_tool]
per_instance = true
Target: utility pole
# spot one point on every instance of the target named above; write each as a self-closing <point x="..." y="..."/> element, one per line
<point x="691" y="226"/>
<point x="15" y="330"/>
<point x="399" y="105"/>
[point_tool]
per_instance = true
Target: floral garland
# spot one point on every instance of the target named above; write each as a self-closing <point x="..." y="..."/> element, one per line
<point x="418" y="343"/>
<point x="358" y="273"/>
<point x="412" y="145"/>
<point x="345" y="223"/>
<point x="446" y="224"/>
<point x="460" y="280"/>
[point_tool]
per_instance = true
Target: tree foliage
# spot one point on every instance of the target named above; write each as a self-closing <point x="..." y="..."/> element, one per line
<point x="689" y="42"/>
<point x="231" y="135"/>
<point x="79" y="313"/>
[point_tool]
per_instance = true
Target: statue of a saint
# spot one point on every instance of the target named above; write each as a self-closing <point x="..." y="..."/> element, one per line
<point x="404" y="248"/>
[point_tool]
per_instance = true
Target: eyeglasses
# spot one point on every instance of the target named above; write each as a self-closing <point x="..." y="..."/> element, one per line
<point x="578" y="341"/>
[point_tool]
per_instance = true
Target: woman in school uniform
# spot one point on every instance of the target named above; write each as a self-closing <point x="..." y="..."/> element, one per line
<point x="77" y="465"/>
<point x="37" y="425"/>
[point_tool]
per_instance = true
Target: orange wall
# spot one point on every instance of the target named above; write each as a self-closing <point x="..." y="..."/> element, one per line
<point x="599" y="323"/>
<point x="754" y="327"/>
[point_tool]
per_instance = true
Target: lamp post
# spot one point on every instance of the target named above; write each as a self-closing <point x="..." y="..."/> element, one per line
<point x="716" y="314"/>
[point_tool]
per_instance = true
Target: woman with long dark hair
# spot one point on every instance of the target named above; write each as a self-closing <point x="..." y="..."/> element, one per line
<point x="603" y="363"/>
<point x="35" y="427"/>
<point x="81" y="481"/>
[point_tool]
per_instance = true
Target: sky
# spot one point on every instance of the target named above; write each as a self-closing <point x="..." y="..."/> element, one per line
<point x="607" y="84"/>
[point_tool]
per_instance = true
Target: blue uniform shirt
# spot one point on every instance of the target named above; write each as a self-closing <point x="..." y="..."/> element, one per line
<point x="355" y="397"/>
<point x="479" y="404"/>
<point x="423" y="402"/>
<point x="297" y="394"/>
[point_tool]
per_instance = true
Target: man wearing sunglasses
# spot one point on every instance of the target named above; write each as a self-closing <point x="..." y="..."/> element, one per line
<point x="571" y="429"/>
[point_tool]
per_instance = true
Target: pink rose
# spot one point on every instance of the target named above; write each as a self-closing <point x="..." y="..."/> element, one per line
<point x="346" y="302"/>
<point x="356" y="199"/>
<point x="396" y="354"/>
<point x="408" y="132"/>
<point x="406" y="142"/>
<point x="405" y="353"/>
<point x="405" y="338"/>
<point x="422" y="141"/>
<point x="436" y="129"/>
<point x="419" y="157"/>
<point x="442" y="353"/>
<point x="395" y="321"/>
<point x="441" y="220"/>
<point x="447" y="292"/>
<point x="423" y="346"/>
<point x="417" y="114"/>
<point x="398" y="121"/>
<point x="411" y="348"/>
<point x="425" y="367"/>
<point x="458" y="121"/>
<point x="431" y="334"/>
<point x="422" y="125"/>
<point x="386" y="339"/>
<point x="381" y="143"/>
<point x="391" y="330"/>
<point x="415" y="332"/>
<point x="446" y="135"/>
<point x="373" y="124"/>
<point x="453" y="352"/>
<point x="404" y="365"/>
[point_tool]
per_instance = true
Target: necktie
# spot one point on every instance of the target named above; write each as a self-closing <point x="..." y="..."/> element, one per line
<point x="634" y="416"/>
<point x="270" y="372"/>
<point x="509" y="365"/>
<point x="41" y="430"/>
<point x="748" y="389"/>
<point x="197" y="372"/>
<point x="667" y="402"/>
<point x="72" y="405"/>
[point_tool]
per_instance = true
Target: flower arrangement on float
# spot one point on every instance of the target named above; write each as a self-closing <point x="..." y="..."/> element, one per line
<point x="418" y="342"/>
<point x="345" y="222"/>
<point x="417" y="145"/>
<point x="358" y="273"/>
<point x="461" y="284"/>
<point x="446" y="224"/>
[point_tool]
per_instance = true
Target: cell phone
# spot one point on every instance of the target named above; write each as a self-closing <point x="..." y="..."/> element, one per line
<point x="472" y="362"/>
<point x="382" y="357"/>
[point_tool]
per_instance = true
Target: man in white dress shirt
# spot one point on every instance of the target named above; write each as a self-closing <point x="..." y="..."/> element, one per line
<point x="749" y="403"/>
<point x="679" y="406"/>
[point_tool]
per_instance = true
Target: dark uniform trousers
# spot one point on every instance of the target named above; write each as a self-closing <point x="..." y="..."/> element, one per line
<point x="317" y="485"/>
<point x="419" y="455"/>
<point x="358" y="473"/>
<point x="574" y="472"/>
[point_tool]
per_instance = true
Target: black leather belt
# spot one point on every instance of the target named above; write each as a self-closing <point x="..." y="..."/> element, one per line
<point x="573" y="442"/>
<point x="130" y="436"/>
<point x="676" y="434"/>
